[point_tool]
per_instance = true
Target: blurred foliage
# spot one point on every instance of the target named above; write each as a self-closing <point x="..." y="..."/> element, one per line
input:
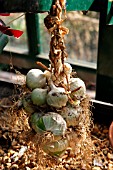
<point x="82" y="40"/>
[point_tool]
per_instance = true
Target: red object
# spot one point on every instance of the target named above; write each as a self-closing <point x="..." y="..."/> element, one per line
<point x="11" y="32"/>
<point x="4" y="14"/>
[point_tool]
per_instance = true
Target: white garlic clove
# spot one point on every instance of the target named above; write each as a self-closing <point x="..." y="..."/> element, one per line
<point x="78" y="88"/>
<point x="57" y="97"/>
<point x="50" y="122"/>
<point x="38" y="96"/>
<point x="67" y="68"/>
<point x="55" y="123"/>
<point x="71" y="115"/>
<point x="47" y="74"/>
<point x="56" y="148"/>
<point x="35" y="79"/>
<point x="67" y="72"/>
<point x="37" y="123"/>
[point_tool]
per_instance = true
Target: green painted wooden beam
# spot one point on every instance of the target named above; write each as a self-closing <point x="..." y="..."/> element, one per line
<point x="109" y="19"/>
<point x="45" y="5"/>
<point x="71" y="5"/>
<point x="33" y="32"/>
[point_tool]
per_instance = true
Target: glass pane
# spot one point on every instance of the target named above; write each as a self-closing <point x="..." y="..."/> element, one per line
<point x="16" y="21"/>
<point x="82" y="40"/>
<point x="44" y="35"/>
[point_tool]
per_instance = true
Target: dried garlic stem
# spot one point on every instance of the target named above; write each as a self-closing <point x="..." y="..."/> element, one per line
<point x="43" y="66"/>
<point x="57" y="53"/>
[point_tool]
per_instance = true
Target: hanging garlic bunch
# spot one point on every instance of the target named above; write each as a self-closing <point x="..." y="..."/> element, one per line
<point x="56" y="90"/>
<point x="78" y="89"/>
<point x="35" y="78"/>
<point x="57" y="97"/>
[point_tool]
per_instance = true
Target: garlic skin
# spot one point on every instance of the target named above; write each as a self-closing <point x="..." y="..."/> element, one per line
<point x="56" y="148"/>
<point x="38" y="96"/>
<point x="55" y="123"/>
<point x="35" y="78"/>
<point x="47" y="74"/>
<point x="67" y="70"/>
<point x="37" y="126"/>
<point x="51" y="122"/>
<point x="57" y="97"/>
<point x="76" y="83"/>
<point x="71" y="115"/>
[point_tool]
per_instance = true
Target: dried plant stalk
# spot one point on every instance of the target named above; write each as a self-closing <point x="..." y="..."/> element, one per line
<point x="57" y="54"/>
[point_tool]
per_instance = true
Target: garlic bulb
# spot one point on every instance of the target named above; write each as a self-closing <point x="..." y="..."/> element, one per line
<point x="78" y="88"/>
<point x="57" y="97"/>
<point x="51" y="122"/>
<point x="27" y="104"/>
<point x="75" y="102"/>
<point x="47" y="74"/>
<point x="36" y="123"/>
<point x="71" y="115"/>
<point x="38" y="96"/>
<point x="35" y="79"/>
<point x="56" y="148"/>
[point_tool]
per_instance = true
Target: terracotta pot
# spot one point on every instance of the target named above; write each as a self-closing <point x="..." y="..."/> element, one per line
<point x="111" y="134"/>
